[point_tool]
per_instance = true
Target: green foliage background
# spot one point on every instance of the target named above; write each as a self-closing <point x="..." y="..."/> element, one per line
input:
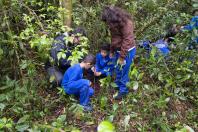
<point x="164" y="94"/>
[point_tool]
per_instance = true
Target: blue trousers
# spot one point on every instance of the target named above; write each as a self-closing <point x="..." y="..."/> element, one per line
<point x="81" y="89"/>
<point x="122" y="72"/>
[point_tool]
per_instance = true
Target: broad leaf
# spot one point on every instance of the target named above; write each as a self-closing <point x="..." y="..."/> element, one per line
<point x="106" y="126"/>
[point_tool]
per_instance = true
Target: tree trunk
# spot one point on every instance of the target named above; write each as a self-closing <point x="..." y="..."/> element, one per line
<point x="67" y="16"/>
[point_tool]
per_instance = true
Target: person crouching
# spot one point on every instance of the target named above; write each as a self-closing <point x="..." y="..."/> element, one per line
<point x="74" y="84"/>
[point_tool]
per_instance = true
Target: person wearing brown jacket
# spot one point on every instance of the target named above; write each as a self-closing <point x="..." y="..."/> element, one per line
<point x="122" y="44"/>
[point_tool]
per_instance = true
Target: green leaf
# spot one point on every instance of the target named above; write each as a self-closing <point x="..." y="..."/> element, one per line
<point x="167" y="99"/>
<point x="103" y="102"/>
<point x="4" y="87"/>
<point x="140" y="76"/>
<point x="23" y="119"/>
<point x="63" y="55"/>
<point x="1" y="51"/>
<point x="1" y="125"/>
<point x="106" y="126"/>
<point x="160" y="77"/>
<point x="22" y="128"/>
<point x="126" y="121"/>
<point x="52" y="78"/>
<point x="186" y="129"/>
<point x="62" y="118"/>
<point x="2" y="106"/>
<point x="195" y="5"/>
<point x="135" y="85"/>
<point x="146" y="86"/>
<point x="8" y="125"/>
<point x="114" y="85"/>
<point x="134" y="72"/>
<point x="59" y="55"/>
<point x="75" y="131"/>
<point x="111" y="117"/>
<point x="115" y="107"/>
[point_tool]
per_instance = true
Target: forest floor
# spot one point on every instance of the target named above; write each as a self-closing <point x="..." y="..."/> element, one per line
<point x="139" y="111"/>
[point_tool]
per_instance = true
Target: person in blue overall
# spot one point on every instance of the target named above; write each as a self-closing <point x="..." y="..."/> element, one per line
<point x="56" y="67"/>
<point x="161" y="44"/>
<point x="122" y="44"/>
<point x="104" y="64"/>
<point x="74" y="84"/>
<point x="193" y="26"/>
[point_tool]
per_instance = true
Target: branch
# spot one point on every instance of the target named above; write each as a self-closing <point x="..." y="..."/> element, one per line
<point x="33" y="13"/>
<point x="140" y="31"/>
<point x="12" y="42"/>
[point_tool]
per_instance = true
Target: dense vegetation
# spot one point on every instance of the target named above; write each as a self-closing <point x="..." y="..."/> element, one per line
<point x="163" y="93"/>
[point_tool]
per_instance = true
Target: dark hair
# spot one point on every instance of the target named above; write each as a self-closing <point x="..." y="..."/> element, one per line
<point x="171" y="33"/>
<point x="194" y="11"/>
<point x="89" y="59"/>
<point x="78" y="30"/>
<point x="105" y="46"/>
<point x="112" y="14"/>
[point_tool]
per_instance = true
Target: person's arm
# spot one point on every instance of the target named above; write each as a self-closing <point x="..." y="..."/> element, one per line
<point x="103" y="71"/>
<point x="192" y="24"/>
<point x="111" y="63"/>
<point x="113" y="43"/>
<point x="97" y="65"/>
<point x="128" y="39"/>
<point x="187" y="27"/>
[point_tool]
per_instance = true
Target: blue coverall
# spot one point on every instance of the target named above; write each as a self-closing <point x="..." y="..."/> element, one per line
<point x="104" y="65"/>
<point x="122" y="72"/>
<point x="73" y="83"/>
<point x="193" y="26"/>
<point x="162" y="46"/>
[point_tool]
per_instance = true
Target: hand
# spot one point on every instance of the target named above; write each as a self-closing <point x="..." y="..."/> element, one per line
<point x="111" y="55"/>
<point x="181" y="28"/>
<point x="90" y="83"/>
<point x="97" y="73"/>
<point x="93" y="69"/>
<point x="121" y="61"/>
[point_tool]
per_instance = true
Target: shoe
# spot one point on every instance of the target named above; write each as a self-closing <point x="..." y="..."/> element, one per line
<point x="120" y="96"/>
<point x="87" y="108"/>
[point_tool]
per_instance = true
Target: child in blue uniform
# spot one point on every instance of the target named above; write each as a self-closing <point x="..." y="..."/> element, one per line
<point x="104" y="64"/>
<point x="74" y="84"/>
